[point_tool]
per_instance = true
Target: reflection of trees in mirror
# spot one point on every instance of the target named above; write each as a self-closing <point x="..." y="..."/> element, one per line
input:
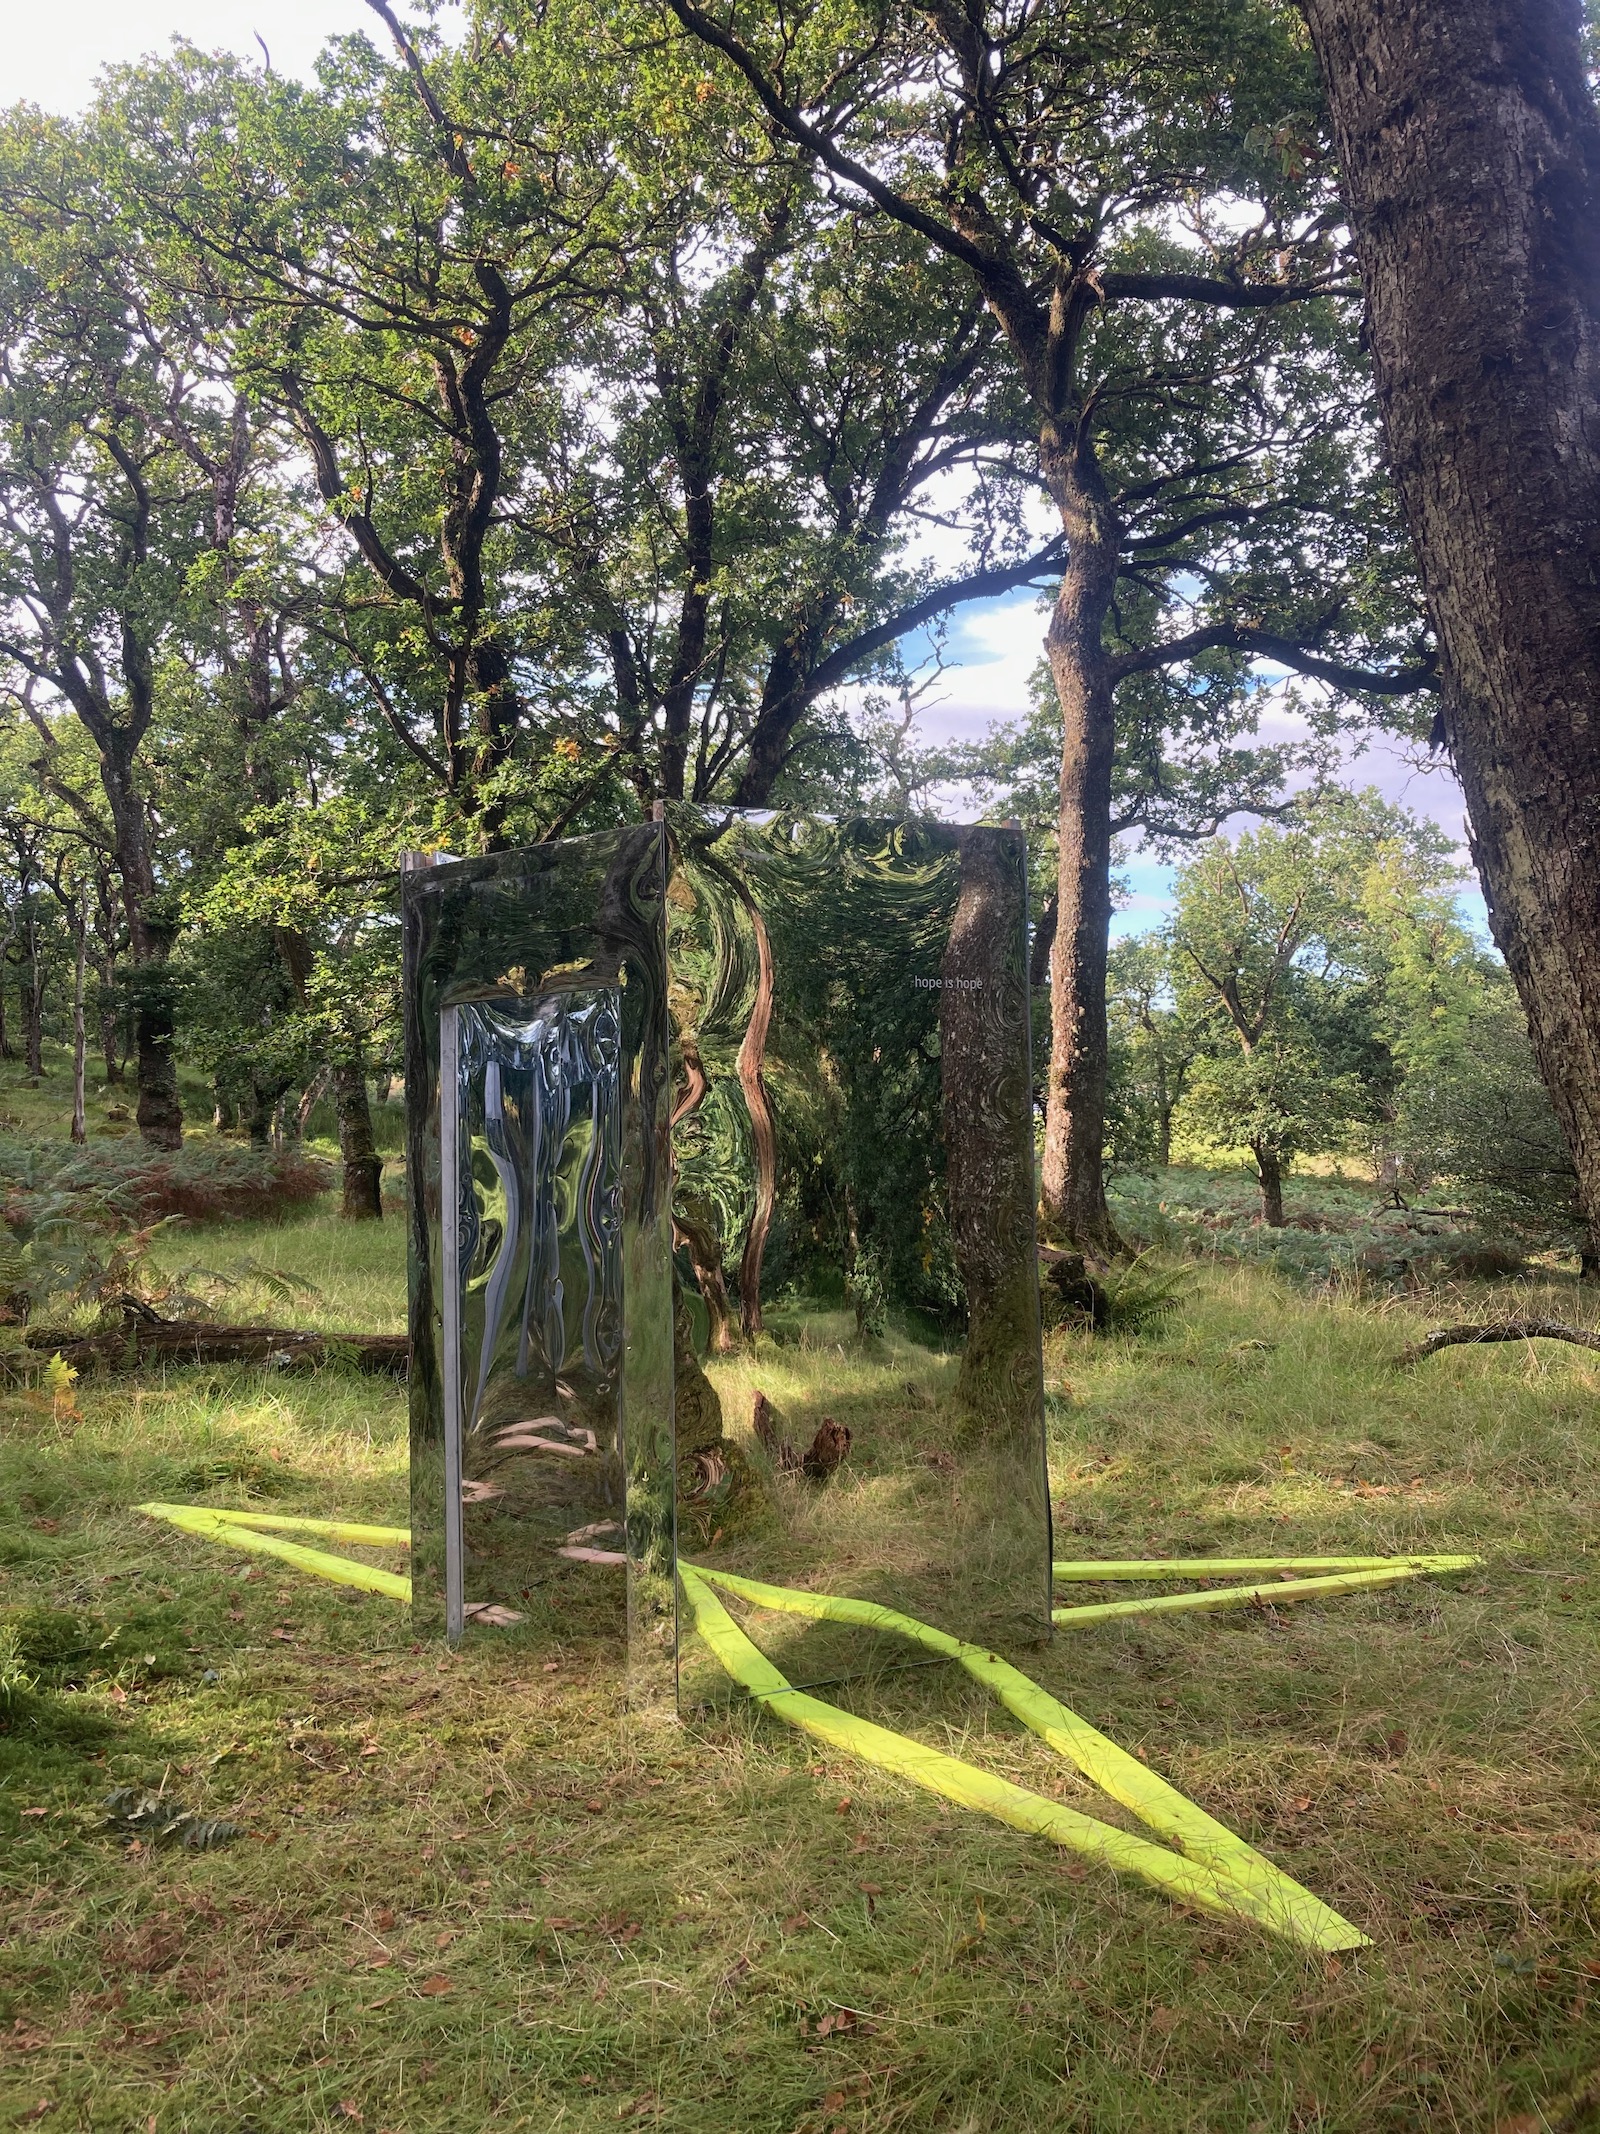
<point x="849" y="1007"/>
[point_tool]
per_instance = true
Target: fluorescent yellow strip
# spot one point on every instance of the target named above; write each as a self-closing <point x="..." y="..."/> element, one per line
<point x="1240" y="1596"/>
<point x="1242" y="1566"/>
<point x="343" y="1570"/>
<point x="946" y="1775"/>
<point x="1277" y="1899"/>
<point x="1242" y="1879"/>
<point x="347" y="1530"/>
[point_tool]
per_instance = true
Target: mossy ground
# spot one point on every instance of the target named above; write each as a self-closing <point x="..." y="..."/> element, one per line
<point x="472" y="1897"/>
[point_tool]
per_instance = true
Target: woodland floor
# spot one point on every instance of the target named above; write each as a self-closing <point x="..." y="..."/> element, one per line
<point x="469" y="1900"/>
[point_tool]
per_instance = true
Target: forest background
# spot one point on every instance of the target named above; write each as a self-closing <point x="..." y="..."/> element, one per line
<point x="468" y="447"/>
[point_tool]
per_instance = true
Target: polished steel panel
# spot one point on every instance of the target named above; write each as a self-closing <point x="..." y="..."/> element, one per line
<point x="541" y="1395"/>
<point x="854" y="1195"/>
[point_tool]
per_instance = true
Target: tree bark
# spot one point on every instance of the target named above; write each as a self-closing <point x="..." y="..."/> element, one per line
<point x="80" y="1126"/>
<point x="30" y="998"/>
<point x="704" y="1247"/>
<point x="263" y="1100"/>
<point x="987" y="1118"/>
<point x="1074" y="1190"/>
<point x="159" y="1112"/>
<point x="1269" y="1176"/>
<point x="145" y="1338"/>
<point x="1470" y="148"/>
<point x="763" y="1134"/>
<point x="363" y="1167"/>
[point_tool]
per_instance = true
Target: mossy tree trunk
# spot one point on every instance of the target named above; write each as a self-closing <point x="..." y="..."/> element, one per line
<point x="987" y="1106"/>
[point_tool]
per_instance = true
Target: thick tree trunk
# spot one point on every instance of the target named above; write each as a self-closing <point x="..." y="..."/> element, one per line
<point x="699" y="1239"/>
<point x="1470" y="148"/>
<point x="262" y="1100"/>
<point x="363" y="1167"/>
<point x="146" y="1338"/>
<point x="1269" y="1176"/>
<point x="987" y="1118"/>
<point x="159" y="1113"/>
<point x="1075" y="1100"/>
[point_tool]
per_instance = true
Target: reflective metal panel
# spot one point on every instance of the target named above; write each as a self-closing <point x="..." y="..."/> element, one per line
<point x="541" y="1303"/>
<point x="859" y="1398"/>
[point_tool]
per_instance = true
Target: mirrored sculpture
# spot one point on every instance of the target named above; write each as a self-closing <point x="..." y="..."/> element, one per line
<point x="860" y="1402"/>
<point x="722" y="1185"/>
<point x="541" y="1309"/>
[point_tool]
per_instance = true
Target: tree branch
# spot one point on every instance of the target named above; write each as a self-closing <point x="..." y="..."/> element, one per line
<point x="1263" y="644"/>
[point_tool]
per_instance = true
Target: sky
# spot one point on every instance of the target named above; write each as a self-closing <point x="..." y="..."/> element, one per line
<point x="993" y="648"/>
<point x="51" y="54"/>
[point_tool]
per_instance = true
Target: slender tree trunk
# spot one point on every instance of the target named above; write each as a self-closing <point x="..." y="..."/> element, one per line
<point x="310" y="1097"/>
<point x="987" y="1117"/>
<point x="224" y="1111"/>
<point x="1075" y="1098"/>
<point x="8" y="1051"/>
<point x="763" y="1135"/>
<point x="80" y="1127"/>
<point x="704" y="1248"/>
<point x="30" y="998"/>
<point x="363" y="1167"/>
<point x="1470" y="150"/>
<point x="1164" y="1137"/>
<point x="1269" y="1176"/>
<point x="107" y="1014"/>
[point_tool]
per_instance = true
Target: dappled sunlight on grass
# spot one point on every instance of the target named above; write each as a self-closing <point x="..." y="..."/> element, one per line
<point x="471" y="1898"/>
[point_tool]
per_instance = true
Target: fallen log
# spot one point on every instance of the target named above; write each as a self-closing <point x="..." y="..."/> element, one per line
<point x="1450" y="1337"/>
<point x="145" y="1340"/>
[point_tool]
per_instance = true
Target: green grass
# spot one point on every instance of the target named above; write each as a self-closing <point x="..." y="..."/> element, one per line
<point x="470" y="1900"/>
<point x="343" y="1277"/>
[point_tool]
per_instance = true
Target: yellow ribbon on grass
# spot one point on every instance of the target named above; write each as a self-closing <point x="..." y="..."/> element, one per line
<point x="1216" y="1869"/>
<point x="257" y="1532"/>
<point x="1213" y="1868"/>
<point x="1351" y="1574"/>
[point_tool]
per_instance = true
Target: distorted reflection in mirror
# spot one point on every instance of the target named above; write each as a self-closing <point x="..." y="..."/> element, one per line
<point x="541" y="1383"/>
<point x="859" y="1392"/>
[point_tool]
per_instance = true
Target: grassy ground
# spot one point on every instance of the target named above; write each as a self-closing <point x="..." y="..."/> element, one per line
<point x="469" y="1901"/>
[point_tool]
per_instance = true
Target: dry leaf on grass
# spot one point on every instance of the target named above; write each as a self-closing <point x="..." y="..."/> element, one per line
<point x="436" y="1985"/>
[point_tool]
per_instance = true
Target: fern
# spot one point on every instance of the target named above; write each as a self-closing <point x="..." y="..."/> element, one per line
<point x="153" y="1820"/>
<point x="1140" y="1292"/>
<point x="278" y="1281"/>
